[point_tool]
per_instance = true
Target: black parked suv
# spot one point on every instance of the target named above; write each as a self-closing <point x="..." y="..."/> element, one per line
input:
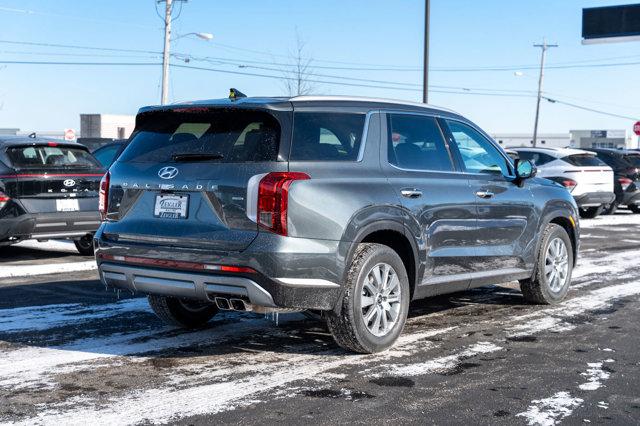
<point x="349" y="206"/>
<point x="48" y="190"/>
<point x="626" y="180"/>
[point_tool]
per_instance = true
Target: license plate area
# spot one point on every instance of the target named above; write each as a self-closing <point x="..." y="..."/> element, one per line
<point x="67" y="205"/>
<point x="171" y="206"/>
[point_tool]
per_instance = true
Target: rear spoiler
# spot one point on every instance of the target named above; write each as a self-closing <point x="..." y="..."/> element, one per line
<point x="52" y="143"/>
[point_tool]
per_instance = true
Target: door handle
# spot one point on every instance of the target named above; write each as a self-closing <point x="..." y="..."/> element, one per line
<point x="411" y="193"/>
<point x="484" y="194"/>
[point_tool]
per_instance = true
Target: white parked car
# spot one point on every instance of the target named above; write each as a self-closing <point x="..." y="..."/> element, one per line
<point x="588" y="178"/>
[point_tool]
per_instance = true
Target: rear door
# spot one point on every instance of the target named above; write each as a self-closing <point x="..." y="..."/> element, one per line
<point x="51" y="177"/>
<point x="507" y="220"/>
<point x="440" y="208"/>
<point x="182" y="180"/>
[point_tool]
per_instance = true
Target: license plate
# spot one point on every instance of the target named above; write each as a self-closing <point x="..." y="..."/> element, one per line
<point x="171" y="206"/>
<point x="67" y="205"/>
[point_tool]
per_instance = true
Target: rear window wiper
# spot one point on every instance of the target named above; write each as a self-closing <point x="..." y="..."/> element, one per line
<point x="196" y="157"/>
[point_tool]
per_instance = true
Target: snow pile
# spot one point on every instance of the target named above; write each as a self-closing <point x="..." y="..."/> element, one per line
<point x="66" y="246"/>
<point x="548" y="411"/>
<point x="595" y="375"/>
<point x="438" y="365"/>
<point x="14" y="271"/>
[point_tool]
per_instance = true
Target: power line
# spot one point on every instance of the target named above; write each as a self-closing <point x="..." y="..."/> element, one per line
<point x="554" y="101"/>
<point x="453" y="92"/>
<point x="271" y="76"/>
<point x="330" y="76"/>
<point x="283" y="64"/>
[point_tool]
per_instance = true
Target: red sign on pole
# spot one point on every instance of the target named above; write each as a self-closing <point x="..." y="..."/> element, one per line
<point x="69" y="134"/>
<point x="636" y="128"/>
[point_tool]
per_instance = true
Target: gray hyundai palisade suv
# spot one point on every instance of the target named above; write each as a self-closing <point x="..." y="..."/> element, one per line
<point x="349" y="206"/>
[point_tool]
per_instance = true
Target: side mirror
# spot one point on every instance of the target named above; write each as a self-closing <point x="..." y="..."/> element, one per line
<point x="525" y="169"/>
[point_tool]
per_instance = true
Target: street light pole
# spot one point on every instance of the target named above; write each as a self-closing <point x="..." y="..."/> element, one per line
<point x="165" y="52"/>
<point x="544" y="46"/>
<point x="425" y="66"/>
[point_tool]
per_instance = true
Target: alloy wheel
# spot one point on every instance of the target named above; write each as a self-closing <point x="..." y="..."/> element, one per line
<point x="556" y="265"/>
<point x="380" y="299"/>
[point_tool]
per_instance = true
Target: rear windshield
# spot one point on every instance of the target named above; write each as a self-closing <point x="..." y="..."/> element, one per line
<point x="634" y="160"/>
<point x="50" y="157"/>
<point x="217" y="135"/>
<point x="584" y="160"/>
<point x="319" y="136"/>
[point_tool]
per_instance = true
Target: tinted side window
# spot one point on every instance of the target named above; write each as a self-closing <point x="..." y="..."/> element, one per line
<point x="584" y="160"/>
<point x="537" y="157"/>
<point x="105" y="155"/>
<point x="609" y="160"/>
<point x="415" y="142"/>
<point x="319" y="136"/>
<point x="633" y="159"/>
<point x="478" y="154"/>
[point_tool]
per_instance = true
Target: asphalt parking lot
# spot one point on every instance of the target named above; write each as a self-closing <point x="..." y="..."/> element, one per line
<point x="72" y="353"/>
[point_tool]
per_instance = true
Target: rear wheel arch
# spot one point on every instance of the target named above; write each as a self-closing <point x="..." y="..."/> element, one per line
<point x="394" y="235"/>
<point x="562" y="219"/>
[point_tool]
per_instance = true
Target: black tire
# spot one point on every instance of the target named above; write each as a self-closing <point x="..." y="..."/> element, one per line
<point x="538" y="289"/>
<point x="182" y="313"/>
<point x="591" y="212"/>
<point x="84" y="245"/>
<point x="635" y="208"/>
<point x="348" y="327"/>
<point x="611" y="208"/>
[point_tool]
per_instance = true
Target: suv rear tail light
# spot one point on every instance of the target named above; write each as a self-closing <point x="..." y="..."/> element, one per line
<point x="273" y="198"/>
<point x="4" y="199"/>
<point x="570" y="184"/>
<point x="103" y="196"/>
<point x="624" y="182"/>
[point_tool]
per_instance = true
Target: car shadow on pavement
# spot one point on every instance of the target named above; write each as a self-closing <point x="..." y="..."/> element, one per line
<point x="19" y="254"/>
<point x="82" y="316"/>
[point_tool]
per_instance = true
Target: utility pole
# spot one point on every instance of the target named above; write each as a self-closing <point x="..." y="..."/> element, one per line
<point x="544" y="46"/>
<point x="425" y="66"/>
<point x="165" y="53"/>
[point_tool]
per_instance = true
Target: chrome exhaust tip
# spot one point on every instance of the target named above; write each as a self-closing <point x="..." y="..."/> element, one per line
<point x="240" y="305"/>
<point x="223" y="304"/>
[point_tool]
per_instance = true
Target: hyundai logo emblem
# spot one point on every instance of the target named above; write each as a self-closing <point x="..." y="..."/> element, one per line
<point x="168" y="172"/>
<point x="69" y="183"/>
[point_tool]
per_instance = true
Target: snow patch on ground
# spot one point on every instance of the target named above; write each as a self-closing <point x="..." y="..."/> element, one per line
<point x="51" y="268"/>
<point x="438" y="365"/>
<point x="51" y="245"/>
<point x="213" y="388"/>
<point x="46" y="317"/>
<point x="595" y="376"/>
<point x="614" y="264"/>
<point x="620" y="218"/>
<point x="549" y="411"/>
<point x="553" y="319"/>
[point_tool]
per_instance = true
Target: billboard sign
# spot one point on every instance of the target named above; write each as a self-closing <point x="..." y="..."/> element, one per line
<point x="611" y="24"/>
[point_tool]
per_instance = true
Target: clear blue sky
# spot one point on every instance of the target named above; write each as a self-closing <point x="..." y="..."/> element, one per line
<point x="465" y="34"/>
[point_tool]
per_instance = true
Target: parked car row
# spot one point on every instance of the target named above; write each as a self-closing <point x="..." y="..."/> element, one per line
<point x="599" y="179"/>
<point x="352" y="207"/>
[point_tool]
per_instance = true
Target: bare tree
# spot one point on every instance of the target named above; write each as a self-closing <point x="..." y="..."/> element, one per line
<point x="296" y="76"/>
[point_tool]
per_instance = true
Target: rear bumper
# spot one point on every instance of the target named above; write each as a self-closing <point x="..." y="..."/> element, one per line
<point x="183" y="284"/>
<point x="291" y="272"/>
<point x="631" y="198"/>
<point x="49" y="225"/>
<point x="594" y="199"/>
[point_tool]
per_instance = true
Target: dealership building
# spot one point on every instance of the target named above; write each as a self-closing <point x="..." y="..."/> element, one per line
<point x="618" y="139"/>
